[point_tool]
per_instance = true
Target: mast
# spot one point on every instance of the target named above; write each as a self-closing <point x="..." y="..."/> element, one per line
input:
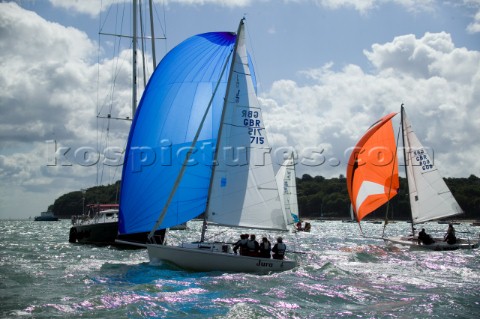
<point x="142" y="37"/>
<point x="154" y="58"/>
<point x="402" y="117"/>
<point x="134" y="59"/>
<point x="225" y="102"/>
<point x="395" y="157"/>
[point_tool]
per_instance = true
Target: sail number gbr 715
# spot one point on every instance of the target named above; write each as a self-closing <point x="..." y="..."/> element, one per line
<point x="251" y="119"/>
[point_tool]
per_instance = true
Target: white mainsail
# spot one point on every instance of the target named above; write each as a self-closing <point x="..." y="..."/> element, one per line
<point x="244" y="191"/>
<point x="287" y="186"/>
<point x="430" y="197"/>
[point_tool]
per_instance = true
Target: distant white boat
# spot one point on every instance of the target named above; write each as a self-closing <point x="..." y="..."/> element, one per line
<point x="352" y="216"/>
<point x="287" y="187"/>
<point x="46" y="216"/>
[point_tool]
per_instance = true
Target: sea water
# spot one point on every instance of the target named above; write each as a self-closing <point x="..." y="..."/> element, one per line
<point x="340" y="275"/>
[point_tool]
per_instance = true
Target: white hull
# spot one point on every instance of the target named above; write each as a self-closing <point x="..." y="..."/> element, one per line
<point x="438" y="245"/>
<point x="214" y="257"/>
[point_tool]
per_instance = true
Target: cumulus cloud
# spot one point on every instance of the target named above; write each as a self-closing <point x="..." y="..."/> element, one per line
<point x="364" y="6"/>
<point x="430" y="56"/>
<point x="94" y="7"/>
<point x="474" y="27"/>
<point x="49" y="90"/>
<point x="35" y="82"/>
<point x="89" y="7"/>
<point x="359" y="5"/>
<point x="438" y="83"/>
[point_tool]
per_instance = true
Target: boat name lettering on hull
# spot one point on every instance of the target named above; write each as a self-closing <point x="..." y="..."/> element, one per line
<point x="264" y="264"/>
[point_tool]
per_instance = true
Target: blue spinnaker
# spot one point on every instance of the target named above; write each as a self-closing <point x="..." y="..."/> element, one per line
<point x="163" y="128"/>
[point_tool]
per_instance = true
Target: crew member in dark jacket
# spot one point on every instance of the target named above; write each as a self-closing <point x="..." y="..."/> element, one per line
<point x="279" y="249"/>
<point x="450" y="237"/>
<point x="425" y="238"/>
<point x="253" y="246"/>
<point x="265" y="248"/>
<point x="242" y="245"/>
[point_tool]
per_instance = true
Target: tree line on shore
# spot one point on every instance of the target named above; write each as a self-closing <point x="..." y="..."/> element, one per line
<point x="318" y="197"/>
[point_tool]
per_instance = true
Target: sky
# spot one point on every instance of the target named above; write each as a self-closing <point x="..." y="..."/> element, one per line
<point x="326" y="71"/>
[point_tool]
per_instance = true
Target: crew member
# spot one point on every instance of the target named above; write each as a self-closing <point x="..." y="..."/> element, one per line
<point x="279" y="249"/>
<point x="253" y="246"/>
<point x="265" y="248"/>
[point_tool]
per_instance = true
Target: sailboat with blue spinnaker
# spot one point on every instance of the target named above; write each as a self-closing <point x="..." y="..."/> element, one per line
<point x="201" y="107"/>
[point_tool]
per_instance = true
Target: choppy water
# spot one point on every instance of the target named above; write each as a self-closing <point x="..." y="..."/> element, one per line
<point x="341" y="275"/>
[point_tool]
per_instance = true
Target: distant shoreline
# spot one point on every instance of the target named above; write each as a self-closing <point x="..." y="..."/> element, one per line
<point x="459" y="220"/>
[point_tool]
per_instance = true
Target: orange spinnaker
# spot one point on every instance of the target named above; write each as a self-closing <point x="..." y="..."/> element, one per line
<point x="372" y="171"/>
